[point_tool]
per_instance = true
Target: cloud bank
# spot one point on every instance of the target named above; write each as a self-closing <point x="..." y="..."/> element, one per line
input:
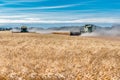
<point x="47" y="11"/>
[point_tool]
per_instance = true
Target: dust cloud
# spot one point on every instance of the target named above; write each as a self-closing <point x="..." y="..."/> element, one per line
<point x="113" y="32"/>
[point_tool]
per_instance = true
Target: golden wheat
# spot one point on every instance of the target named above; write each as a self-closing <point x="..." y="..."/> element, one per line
<point x="30" y="56"/>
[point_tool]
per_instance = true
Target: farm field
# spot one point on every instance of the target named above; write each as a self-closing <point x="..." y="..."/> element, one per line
<point x="30" y="56"/>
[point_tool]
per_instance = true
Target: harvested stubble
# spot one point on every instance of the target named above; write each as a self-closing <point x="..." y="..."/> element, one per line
<point x="61" y="33"/>
<point x="30" y="56"/>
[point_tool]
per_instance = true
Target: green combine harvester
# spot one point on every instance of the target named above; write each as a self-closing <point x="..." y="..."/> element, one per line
<point x="24" y="29"/>
<point x="88" y="28"/>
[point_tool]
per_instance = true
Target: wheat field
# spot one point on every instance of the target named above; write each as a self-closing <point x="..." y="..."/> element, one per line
<point x="30" y="56"/>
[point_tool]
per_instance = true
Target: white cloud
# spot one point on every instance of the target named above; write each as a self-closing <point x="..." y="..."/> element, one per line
<point x="68" y="16"/>
<point x="99" y="20"/>
<point x="55" y="7"/>
<point x="37" y="20"/>
<point x="9" y="17"/>
<point x="9" y="2"/>
<point x="42" y="7"/>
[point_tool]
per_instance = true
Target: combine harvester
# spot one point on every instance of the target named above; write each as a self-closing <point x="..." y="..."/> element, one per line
<point x="88" y="28"/>
<point x="23" y="29"/>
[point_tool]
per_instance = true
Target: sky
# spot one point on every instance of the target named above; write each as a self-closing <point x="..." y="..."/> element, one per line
<point x="60" y="11"/>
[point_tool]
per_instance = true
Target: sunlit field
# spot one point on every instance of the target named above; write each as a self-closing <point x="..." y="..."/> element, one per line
<point x="32" y="56"/>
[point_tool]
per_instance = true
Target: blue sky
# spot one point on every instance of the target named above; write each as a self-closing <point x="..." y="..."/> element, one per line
<point x="60" y="11"/>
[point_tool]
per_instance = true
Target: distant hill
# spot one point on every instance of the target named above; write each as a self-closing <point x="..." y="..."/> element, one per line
<point x="116" y="26"/>
<point x="66" y="28"/>
<point x="71" y="28"/>
<point x="58" y="27"/>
